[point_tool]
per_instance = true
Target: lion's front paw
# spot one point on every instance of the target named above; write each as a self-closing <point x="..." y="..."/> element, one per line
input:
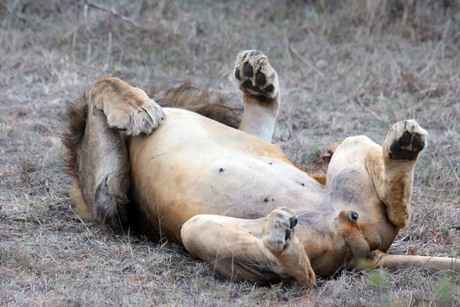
<point x="278" y="229"/>
<point x="405" y="140"/>
<point x="255" y="76"/>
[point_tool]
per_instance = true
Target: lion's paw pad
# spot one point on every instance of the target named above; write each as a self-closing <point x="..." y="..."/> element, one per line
<point x="406" y="139"/>
<point x="255" y="75"/>
<point x="278" y="229"/>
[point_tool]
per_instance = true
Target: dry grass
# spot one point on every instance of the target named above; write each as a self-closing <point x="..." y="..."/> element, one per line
<point x="346" y="69"/>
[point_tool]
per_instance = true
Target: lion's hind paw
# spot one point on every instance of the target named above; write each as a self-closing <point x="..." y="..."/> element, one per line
<point x="405" y="140"/>
<point x="126" y="108"/>
<point x="136" y="117"/>
<point x="255" y="75"/>
<point x="278" y="229"/>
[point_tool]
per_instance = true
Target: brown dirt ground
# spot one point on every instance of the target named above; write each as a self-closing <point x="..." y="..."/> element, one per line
<point x="346" y="69"/>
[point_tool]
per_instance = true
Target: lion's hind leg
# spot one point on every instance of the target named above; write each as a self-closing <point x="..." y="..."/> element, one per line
<point x="97" y="152"/>
<point x="258" y="81"/>
<point x="262" y="250"/>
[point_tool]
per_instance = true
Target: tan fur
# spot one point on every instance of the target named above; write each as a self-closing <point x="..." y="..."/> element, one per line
<point x="322" y="179"/>
<point x="233" y="199"/>
<point x="79" y="206"/>
<point x="429" y="263"/>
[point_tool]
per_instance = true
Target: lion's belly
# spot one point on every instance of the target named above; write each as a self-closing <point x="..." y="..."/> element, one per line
<point x="193" y="165"/>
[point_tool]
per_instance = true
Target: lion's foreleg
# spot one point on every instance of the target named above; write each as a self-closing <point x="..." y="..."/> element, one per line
<point x="392" y="168"/>
<point x="239" y="250"/>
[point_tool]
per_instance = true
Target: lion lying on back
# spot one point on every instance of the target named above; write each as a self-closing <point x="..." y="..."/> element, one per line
<point x="231" y="197"/>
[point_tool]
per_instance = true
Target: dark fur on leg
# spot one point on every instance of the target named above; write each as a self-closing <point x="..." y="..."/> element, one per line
<point x="206" y="103"/>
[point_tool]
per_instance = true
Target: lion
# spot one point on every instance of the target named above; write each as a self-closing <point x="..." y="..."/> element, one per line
<point x="230" y="196"/>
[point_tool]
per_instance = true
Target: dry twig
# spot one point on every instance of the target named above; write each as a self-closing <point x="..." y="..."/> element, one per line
<point x="303" y="60"/>
<point x="111" y="11"/>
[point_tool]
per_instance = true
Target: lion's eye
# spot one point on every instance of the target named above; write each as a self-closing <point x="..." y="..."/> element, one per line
<point x="354" y="216"/>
